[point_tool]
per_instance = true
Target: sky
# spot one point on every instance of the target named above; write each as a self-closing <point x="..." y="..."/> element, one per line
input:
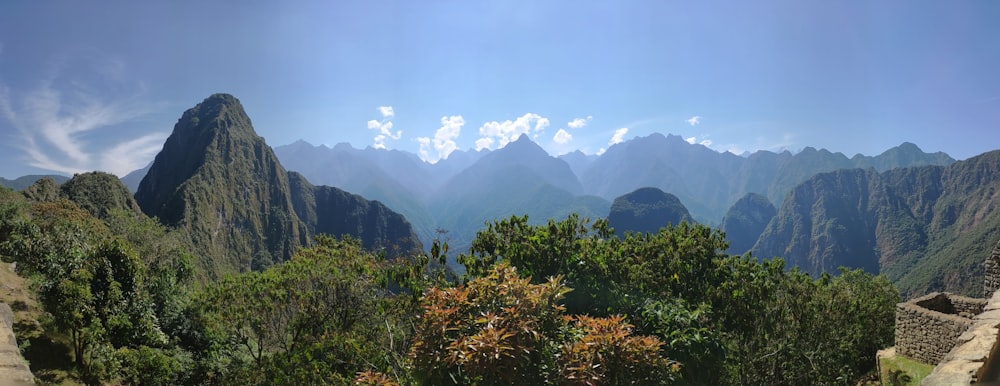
<point x="86" y="87"/>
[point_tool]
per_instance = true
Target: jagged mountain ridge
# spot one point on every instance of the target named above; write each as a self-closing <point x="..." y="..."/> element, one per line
<point x="928" y="228"/>
<point x="707" y="182"/>
<point x="220" y="182"/>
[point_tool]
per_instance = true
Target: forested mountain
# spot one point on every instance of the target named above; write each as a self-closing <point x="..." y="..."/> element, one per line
<point x="23" y="182"/>
<point x="100" y="194"/>
<point x="220" y="182"/>
<point x="928" y="228"/>
<point x="646" y="210"/>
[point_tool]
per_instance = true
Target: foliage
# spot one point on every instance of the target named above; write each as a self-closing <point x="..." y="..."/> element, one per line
<point x="321" y="317"/>
<point x="728" y="319"/>
<point x="500" y="329"/>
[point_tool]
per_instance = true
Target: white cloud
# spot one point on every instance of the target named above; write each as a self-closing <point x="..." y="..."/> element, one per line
<point x="508" y="131"/>
<point x="619" y="136"/>
<point x="54" y="125"/>
<point x="691" y="140"/>
<point x="425" y="145"/>
<point x="601" y="151"/>
<point x="579" y="122"/>
<point x="706" y="143"/>
<point x="384" y="127"/>
<point x="444" y="139"/>
<point x="484" y="143"/>
<point x="562" y="137"/>
<point x="694" y="120"/>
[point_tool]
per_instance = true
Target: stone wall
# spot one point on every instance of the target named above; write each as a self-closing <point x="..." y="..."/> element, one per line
<point x="991" y="283"/>
<point x="13" y="369"/>
<point x="975" y="351"/>
<point x="952" y="304"/>
<point x="927" y="327"/>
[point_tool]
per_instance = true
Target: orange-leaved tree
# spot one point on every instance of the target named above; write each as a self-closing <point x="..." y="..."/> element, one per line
<point x="501" y="329"/>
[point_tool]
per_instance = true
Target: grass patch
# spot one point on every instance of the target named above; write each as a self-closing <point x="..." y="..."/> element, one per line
<point x="898" y="370"/>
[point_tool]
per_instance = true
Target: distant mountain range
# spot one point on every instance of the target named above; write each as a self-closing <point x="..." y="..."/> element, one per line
<point x="459" y="194"/>
<point x="921" y="218"/>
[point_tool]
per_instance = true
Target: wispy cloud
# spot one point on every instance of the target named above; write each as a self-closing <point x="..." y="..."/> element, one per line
<point x="384" y="127"/>
<point x="562" y="137"/>
<point x="579" y="122"/>
<point x="68" y="128"/>
<point x="444" y="139"/>
<point x="508" y="131"/>
<point x="693" y="121"/>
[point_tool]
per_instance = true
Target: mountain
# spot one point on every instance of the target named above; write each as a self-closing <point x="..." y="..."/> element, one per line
<point x="697" y="175"/>
<point x="746" y="220"/>
<point x="398" y="179"/>
<point x="578" y="161"/>
<point x="99" y="193"/>
<point x="219" y="181"/>
<point x="646" y="210"/>
<point x="709" y="182"/>
<point x="24" y="182"/>
<point x="927" y="228"/>
<point x="328" y="210"/>
<point x="133" y="178"/>
<point x="518" y="179"/>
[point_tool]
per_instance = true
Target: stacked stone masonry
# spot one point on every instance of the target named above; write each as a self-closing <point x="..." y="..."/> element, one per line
<point x="927" y="327"/>
<point x="974" y="352"/>
<point x="992" y="272"/>
<point x="13" y="369"/>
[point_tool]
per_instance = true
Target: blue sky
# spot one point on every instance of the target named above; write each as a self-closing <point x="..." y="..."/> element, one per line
<point x="84" y="87"/>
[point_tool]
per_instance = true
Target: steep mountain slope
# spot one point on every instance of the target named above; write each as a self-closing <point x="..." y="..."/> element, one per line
<point x="646" y="210"/>
<point x="99" y="193"/>
<point x="928" y="228"/>
<point x="825" y="223"/>
<point x="328" y="210"/>
<point x="218" y="181"/>
<point x="24" y="182"/>
<point x="746" y="220"/>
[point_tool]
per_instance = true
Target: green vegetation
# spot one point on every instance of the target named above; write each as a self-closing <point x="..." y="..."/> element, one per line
<point x="566" y="302"/>
<point x="900" y="371"/>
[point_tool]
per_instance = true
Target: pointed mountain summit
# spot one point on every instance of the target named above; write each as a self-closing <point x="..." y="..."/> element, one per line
<point x="221" y="183"/>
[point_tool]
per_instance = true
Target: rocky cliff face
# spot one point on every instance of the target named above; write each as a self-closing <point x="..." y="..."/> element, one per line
<point x="926" y="227"/>
<point x="332" y="211"/>
<point x="646" y="210"/>
<point x="220" y="182"/>
<point x="746" y="220"/>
